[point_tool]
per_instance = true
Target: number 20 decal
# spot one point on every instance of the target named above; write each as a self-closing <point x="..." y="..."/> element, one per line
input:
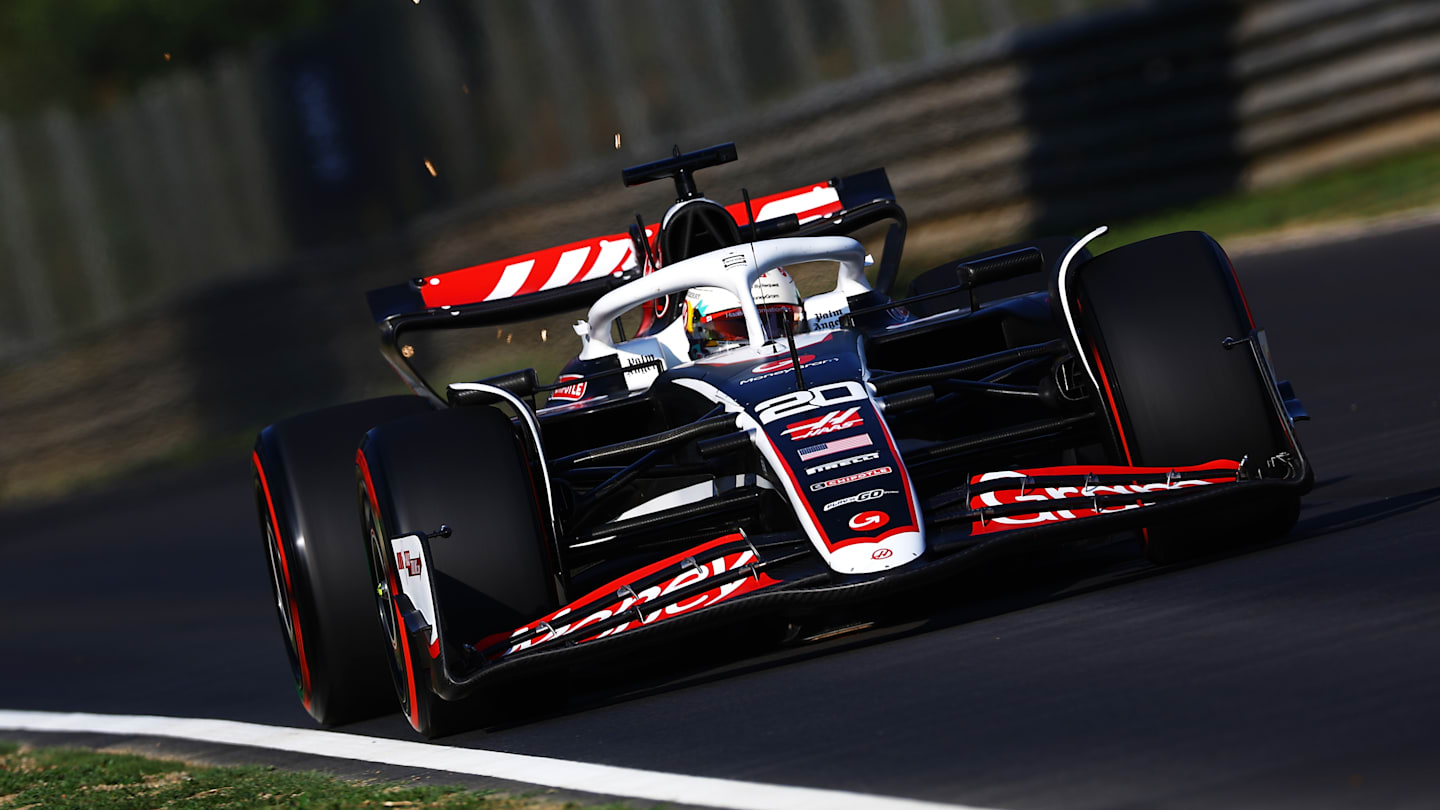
<point x="798" y="402"/>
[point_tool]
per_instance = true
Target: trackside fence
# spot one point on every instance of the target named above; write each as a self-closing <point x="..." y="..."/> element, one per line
<point x="184" y="265"/>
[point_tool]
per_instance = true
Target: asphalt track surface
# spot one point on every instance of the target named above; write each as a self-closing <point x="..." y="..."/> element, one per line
<point x="1304" y="674"/>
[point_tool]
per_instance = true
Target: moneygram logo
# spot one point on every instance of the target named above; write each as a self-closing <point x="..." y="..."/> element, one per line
<point x="1019" y="494"/>
<point x="782" y="364"/>
<point x="779" y="368"/>
<point x="578" y="625"/>
<point x="868" y="520"/>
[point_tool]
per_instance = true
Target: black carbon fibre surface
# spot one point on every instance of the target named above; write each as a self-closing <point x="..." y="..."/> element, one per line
<point x="1299" y="675"/>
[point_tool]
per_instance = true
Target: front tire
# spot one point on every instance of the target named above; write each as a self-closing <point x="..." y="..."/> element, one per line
<point x="463" y="468"/>
<point x="301" y="468"/>
<point x="1156" y="314"/>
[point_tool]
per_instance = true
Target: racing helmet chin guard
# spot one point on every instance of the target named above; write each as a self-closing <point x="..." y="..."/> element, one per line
<point x="714" y="319"/>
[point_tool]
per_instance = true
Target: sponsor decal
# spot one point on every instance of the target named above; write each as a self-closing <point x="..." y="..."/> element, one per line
<point x="829" y="423"/>
<point x="601" y="256"/>
<point x="575" y="621"/>
<point x="834" y="446"/>
<point x="828" y="320"/>
<point x="775" y="369"/>
<point x="570" y="393"/>
<point x="881" y="554"/>
<point x="531" y="272"/>
<point x="866" y="521"/>
<point x="810" y="399"/>
<point x="783" y="364"/>
<point x="850" y="479"/>
<point x="867" y="495"/>
<point x="408" y="562"/>
<point x="844" y="462"/>
<point x="631" y="362"/>
<point x="768" y="289"/>
<point x="808" y="203"/>
<point x="1205" y="475"/>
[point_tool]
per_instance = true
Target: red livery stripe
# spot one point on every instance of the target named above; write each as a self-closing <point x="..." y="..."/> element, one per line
<point x="597" y="257"/>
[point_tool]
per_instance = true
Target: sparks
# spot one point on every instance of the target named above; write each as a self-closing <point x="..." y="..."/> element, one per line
<point x="617" y="140"/>
<point x="428" y="165"/>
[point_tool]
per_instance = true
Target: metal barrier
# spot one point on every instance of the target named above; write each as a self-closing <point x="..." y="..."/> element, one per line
<point x="400" y="109"/>
<point x="160" y="282"/>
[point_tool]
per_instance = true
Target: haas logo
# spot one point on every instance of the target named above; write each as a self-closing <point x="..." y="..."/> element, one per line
<point x="408" y="562"/>
<point x="868" y="520"/>
<point x="829" y="423"/>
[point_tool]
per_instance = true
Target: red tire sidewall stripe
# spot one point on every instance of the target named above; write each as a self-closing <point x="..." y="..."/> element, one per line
<point x="1114" y="410"/>
<point x="289" y="589"/>
<point x="411" y="710"/>
<point x="1235" y="277"/>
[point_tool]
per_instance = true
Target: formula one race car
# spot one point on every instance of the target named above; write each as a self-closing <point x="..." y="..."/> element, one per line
<point x="749" y="454"/>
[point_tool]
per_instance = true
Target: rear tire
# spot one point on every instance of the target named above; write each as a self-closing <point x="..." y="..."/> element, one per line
<point x="302" y="470"/>
<point x="463" y="468"/>
<point x="1155" y="314"/>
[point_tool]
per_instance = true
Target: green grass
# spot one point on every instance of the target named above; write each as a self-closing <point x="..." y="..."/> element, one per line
<point x="1393" y="184"/>
<point x="63" y="778"/>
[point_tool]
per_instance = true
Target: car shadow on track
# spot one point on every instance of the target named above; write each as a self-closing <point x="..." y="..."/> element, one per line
<point x="1363" y="514"/>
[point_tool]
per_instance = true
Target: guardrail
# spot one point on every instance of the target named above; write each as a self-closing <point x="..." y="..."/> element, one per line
<point x="397" y="109"/>
<point x="1107" y="116"/>
<point x="982" y="113"/>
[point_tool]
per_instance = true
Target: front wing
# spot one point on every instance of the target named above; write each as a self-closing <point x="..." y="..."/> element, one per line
<point x="735" y="577"/>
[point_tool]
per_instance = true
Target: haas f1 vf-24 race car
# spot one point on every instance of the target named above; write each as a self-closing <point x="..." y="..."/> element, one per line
<point x="749" y="454"/>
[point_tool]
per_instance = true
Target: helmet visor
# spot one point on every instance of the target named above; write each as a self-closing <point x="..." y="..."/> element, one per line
<point x="728" y="326"/>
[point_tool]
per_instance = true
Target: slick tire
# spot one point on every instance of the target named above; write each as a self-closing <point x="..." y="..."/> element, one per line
<point x="464" y="468"/>
<point x="303" y="472"/>
<point x="1155" y="314"/>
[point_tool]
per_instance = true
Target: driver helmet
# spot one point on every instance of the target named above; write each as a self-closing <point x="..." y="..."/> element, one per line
<point x="714" y="320"/>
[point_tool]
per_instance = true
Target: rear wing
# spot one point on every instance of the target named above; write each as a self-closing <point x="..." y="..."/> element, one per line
<point x="573" y="276"/>
<point x="572" y="270"/>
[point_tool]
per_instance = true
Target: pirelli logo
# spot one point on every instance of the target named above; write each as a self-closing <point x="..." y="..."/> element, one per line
<point x="844" y="462"/>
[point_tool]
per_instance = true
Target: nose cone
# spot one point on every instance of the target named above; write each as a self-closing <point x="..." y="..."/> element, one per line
<point x="888" y="552"/>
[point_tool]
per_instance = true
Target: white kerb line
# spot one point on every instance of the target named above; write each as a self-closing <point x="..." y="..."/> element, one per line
<point x="544" y="771"/>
